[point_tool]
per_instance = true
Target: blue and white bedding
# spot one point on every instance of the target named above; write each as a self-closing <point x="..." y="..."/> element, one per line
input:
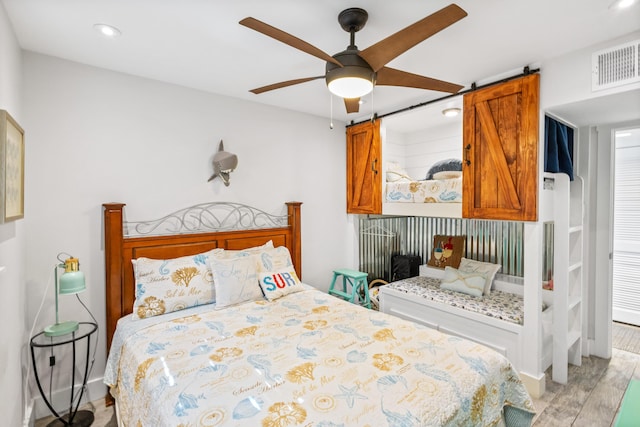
<point x="306" y="359"/>
<point x="431" y="191"/>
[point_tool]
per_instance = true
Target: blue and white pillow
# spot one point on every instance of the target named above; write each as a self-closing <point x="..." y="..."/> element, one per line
<point x="167" y="285"/>
<point x="467" y="283"/>
<point x="236" y="280"/>
<point x="277" y="284"/>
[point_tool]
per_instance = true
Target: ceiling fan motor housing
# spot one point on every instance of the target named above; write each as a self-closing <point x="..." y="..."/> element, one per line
<point x="353" y="66"/>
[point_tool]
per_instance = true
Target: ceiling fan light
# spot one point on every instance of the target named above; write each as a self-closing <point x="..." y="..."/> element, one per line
<point x="350" y="87"/>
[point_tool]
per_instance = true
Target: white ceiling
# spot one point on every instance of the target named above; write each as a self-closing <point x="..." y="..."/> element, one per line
<point x="199" y="43"/>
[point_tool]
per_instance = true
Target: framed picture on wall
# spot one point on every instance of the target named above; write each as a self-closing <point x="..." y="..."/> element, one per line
<point x="11" y="168"/>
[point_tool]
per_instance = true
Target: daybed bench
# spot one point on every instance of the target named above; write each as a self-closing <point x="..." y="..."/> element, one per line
<point x="495" y="320"/>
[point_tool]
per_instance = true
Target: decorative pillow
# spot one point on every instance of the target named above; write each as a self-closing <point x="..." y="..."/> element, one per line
<point x="220" y="253"/>
<point x="444" y="165"/>
<point x="447" y="175"/>
<point x="396" y="173"/>
<point x="280" y="283"/>
<point x="167" y="285"/>
<point x="274" y="259"/>
<point x="467" y="283"/>
<point x="236" y="280"/>
<point x="487" y="269"/>
<point x="446" y="251"/>
<point x="393" y="176"/>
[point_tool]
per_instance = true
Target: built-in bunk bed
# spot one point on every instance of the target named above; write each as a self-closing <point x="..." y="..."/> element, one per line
<point x="532" y="326"/>
<point x="422" y="170"/>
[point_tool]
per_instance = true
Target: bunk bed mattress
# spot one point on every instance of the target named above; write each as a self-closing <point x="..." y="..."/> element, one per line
<point x="500" y="305"/>
<point x="306" y="359"/>
<point x="430" y="191"/>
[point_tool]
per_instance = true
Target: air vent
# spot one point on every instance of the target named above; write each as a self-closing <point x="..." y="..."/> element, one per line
<point x="616" y="66"/>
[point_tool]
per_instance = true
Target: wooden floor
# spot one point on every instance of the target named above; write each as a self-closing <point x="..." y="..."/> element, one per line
<point x="626" y="337"/>
<point x="594" y="391"/>
<point x="591" y="398"/>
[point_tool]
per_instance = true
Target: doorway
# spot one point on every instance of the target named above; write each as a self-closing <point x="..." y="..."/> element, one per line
<point x="626" y="227"/>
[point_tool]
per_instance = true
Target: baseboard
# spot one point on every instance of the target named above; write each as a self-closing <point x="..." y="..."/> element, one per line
<point x="534" y="385"/>
<point x="96" y="390"/>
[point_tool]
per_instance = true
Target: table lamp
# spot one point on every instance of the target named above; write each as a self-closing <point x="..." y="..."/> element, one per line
<point x="71" y="282"/>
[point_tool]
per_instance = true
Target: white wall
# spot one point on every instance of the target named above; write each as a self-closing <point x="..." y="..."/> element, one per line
<point x="98" y="136"/>
<point x="566" y="92"/>
<point x="13" y="349"/>
<point x="426" y="147"/>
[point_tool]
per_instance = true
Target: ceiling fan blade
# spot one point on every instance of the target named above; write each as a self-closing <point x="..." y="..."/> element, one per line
<point x="379" y="54"/>
<point x="287" y="38"/>
<point x="352" y="104"/>
<point x="283" y="84"/>
<point x="392" y="77"/>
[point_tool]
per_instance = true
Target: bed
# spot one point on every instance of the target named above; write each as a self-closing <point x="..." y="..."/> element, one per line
<point x="300" y="358"/>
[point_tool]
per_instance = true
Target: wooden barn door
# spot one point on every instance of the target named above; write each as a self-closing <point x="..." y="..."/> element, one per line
<point x="500" y="151"/>
<point x="364" y="177"/>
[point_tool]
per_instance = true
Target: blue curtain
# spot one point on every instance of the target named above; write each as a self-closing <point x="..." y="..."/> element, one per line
<point x="558" y="147"/>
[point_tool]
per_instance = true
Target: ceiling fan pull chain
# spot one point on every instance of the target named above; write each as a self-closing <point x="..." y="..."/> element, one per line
<point x="331" y="111"/>
<point x="373" y="114"/>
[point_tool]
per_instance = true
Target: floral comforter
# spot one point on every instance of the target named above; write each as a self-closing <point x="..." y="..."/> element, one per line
<point x="431" y="191"/>
<point x="306" y="359"/>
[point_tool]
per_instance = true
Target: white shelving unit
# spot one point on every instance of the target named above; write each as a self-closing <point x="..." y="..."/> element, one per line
<point x="568" y="271"/>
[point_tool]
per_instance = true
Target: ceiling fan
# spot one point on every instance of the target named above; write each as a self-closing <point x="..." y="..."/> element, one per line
<point x="352" y="73"/>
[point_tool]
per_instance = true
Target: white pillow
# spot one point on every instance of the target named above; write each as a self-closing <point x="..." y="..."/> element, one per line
<point x="487" y="269"/>
<point x="396" y="173"/>
<point x="393" y="176"/>
<point x="220" y="253"/>
<point x="447" y="175"/>
<point x="274" y="259"/>
<point x="279" y="283"/>
<point x="467" y="283"/>
<point x="236" y="280"/>
<point x="167" y="285"/>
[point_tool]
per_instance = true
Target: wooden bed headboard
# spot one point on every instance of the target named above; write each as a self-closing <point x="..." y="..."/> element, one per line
<point x="120" y="250"/>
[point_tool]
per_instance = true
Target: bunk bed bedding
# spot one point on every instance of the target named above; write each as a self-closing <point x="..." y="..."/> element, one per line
<point x="428" y="191"/>
<point x="306" y="359"/>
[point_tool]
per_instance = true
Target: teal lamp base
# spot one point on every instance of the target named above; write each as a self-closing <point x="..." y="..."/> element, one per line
<point x="63" y="328"/>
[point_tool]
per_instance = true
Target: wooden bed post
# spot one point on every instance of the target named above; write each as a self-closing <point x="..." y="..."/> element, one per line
<point x="293" y="213"/>
<point x="113" y="265"/>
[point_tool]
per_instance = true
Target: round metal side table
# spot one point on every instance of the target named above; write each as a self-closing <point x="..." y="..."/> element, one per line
<point x="40" y="341"/>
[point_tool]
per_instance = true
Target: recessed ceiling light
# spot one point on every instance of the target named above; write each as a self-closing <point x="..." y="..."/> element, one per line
<point x="621" y="4"/>
<point x="108" y="31"/>
<point x="451" y="112"/>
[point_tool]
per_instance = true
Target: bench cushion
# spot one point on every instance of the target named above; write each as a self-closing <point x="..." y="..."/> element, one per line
<point x="500" y="305"/>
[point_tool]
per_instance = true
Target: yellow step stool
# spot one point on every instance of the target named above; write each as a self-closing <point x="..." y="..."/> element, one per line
<point x="357" y="281"/>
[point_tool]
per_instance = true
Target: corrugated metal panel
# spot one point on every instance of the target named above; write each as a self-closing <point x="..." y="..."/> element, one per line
<point x="499" y="242"/>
